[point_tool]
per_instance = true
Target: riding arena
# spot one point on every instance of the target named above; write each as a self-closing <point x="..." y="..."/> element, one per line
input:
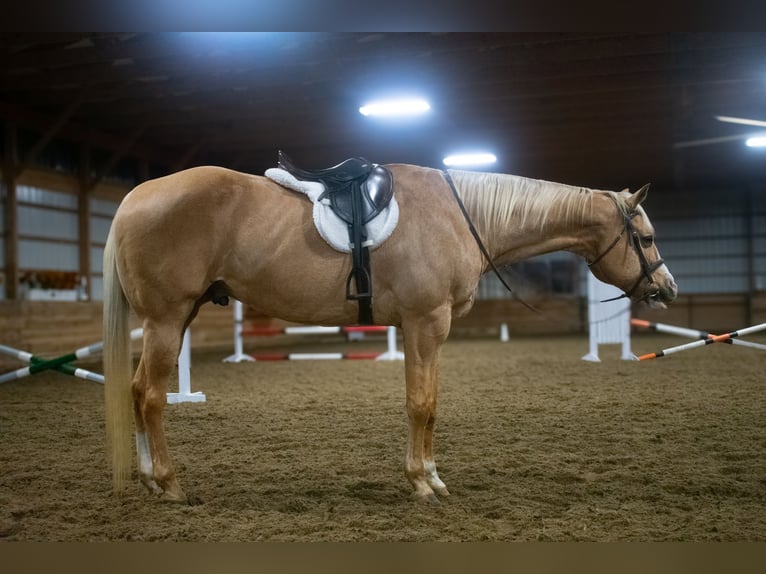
<point x="288" y="348"/>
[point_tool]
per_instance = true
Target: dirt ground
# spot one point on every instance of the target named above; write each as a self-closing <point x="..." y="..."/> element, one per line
<point x="533" y="443"/>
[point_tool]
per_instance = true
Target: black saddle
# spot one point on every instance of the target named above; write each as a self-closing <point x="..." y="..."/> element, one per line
<point x="374" y="181"/>
<point x="358" y="191"/>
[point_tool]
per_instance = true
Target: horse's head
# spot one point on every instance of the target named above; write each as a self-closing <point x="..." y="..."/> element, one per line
<point x="625" y="254"/>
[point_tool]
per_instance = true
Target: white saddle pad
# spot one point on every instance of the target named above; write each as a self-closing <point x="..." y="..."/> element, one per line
<point x="331" y="227"/>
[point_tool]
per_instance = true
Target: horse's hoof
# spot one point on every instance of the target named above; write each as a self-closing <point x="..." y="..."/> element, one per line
<point x="151" y="486"/>
<point x="176" y="498"/>
<point x="429" y="498"/>
<point x="441" y="491"/>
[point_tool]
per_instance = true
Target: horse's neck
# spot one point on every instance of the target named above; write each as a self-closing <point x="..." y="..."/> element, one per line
<point x="564" y="226"/>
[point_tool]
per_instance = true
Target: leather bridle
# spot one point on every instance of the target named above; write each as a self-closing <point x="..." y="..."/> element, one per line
<point x="634" y="241"/>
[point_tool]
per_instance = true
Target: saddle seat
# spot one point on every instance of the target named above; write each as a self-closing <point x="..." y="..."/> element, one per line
<point x="374" y="181"/>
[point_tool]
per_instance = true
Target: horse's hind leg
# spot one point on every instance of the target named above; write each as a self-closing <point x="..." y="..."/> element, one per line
<point x="161" y="344"/>
<point x="144" y="453"/>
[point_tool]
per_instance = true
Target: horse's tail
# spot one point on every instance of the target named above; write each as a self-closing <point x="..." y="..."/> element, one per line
<point x="118" y="370"/>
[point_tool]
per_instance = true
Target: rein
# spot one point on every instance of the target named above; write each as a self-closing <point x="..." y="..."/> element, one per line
<point x="646" y="268"/>
<point x="479" y="242"/>
<point x="633" y="239"/>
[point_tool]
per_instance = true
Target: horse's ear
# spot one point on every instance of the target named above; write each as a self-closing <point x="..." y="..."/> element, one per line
<point x="638" y="197"/>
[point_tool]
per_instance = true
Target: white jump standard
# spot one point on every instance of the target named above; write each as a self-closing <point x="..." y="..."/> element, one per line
<point x="608" y="322"/>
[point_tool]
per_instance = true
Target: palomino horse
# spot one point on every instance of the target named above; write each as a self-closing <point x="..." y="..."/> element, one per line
<point x="202" y="234"/>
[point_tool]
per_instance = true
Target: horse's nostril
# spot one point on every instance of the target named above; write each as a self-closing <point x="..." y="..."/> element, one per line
<point x="670" y="292"/>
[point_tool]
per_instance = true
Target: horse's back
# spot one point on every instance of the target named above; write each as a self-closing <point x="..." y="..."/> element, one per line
<point x="191" y="189"/>
<point x="210" y="224"/>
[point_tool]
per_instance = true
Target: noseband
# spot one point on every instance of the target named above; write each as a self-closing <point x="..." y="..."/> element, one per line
<point x="635" y="241"/>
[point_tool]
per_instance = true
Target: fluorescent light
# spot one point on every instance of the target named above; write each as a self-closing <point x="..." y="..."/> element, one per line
<point x="757" y="141"/>
<point x="743" y="121"/>
<point x="393" y="108"/>
<point x="469" y="159"/>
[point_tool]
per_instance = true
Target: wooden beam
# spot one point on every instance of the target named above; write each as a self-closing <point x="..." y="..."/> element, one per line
<point x="143" y="170"/>
<point x="119" y="154"/>
<point x="11" y="219"/>
<point x="183" y="162"/>
<point x="76" y="133"/>
<point x="51" y="132"/>
<point x="83" y="220"/>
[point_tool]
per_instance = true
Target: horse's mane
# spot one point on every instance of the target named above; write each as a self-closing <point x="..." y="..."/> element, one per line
<point x="496" y="201"/>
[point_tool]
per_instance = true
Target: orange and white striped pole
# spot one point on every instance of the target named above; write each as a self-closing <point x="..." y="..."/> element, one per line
<point x="702" y="342"/>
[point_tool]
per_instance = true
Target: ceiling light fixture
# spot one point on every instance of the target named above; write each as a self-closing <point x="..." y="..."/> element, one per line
<point x="757" y="141"/>
<point x="469" y="159"/>
<point x="395" y="108"/>
<point x="743" y="121"/>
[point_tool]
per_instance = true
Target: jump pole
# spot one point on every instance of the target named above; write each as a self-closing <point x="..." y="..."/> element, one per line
<point x="691" y="333"/>
<point x="62" y="364"/>
<point x="38" y="364"/>
<point x="391" y="353"/>
<point x="702" y="342"/>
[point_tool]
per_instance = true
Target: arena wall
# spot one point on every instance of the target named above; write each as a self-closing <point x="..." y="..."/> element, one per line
<point x="51" y="327"/>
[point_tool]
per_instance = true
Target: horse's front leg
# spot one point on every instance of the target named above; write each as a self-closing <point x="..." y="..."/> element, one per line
<point x="432" y="476"/>
<point x="423" y="338"/>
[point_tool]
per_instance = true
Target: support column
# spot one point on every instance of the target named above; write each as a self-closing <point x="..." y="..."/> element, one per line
<point x="10" y="168"/>
<point x="83" y="217"/>
<point x="749" y="231"/>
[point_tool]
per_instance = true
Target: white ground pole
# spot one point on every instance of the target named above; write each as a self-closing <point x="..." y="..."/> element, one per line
<point x="607" y="322"/>
<point x="238" y="355"/>
<point x="504" y="333"/>
<point x="184" y="394"/>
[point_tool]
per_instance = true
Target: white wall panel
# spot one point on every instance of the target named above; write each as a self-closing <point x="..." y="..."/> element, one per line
<point x="720" y="266"/>
<point x="47" y="223"/>
<point x="705" y="247"/>
<point x="96" y="259"/>
<point x="100" y="206"/>
<point x="45" y="255"/>
<point x="699" y="285"/>
<point x="99" y="229"/>
<point x="96" y="289"/>
<point x="28" y="194"/>
<point x="700" y="227"/>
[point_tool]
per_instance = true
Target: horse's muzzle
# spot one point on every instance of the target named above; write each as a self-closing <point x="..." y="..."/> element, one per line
<point x="661" y="293"/>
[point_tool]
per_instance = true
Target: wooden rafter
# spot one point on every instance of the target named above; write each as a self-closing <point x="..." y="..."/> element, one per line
<point x="130" y="141"/>
<point x="186" y="158"/>
<point x="54" y="129"/>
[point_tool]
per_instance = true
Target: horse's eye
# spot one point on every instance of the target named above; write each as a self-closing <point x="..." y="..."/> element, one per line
<point x="647" y="240"/>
